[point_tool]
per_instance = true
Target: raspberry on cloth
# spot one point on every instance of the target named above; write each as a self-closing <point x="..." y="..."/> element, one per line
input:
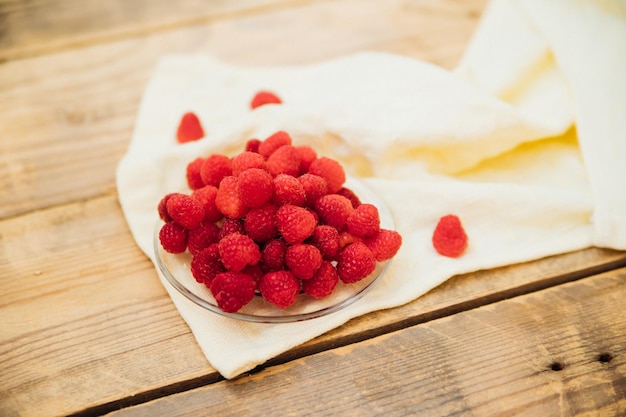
<point x="487" y="143"/>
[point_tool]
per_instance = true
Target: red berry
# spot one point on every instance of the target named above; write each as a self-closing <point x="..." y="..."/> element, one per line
<point x="260" y="223"/>
<point x="449" y="237"/>
<point x="255" y="187"/>
<point x="314" y="188"/>
<point x="255" y="272"/>
<point x="273" y="142"/>
<point x="350" y="195"/>
<point x="288" y="190"/>
<point x="280" y="288"/>
<point x="385" y="244"/>
<point x="231" y="226"/>
<point x="237" y="251"/>
<point x="264" y="97"/>
<point x="303" y="260"/>
<point x="162" y="208"/>
<point x="334" y="210"/>
<point x="307" y="156"/>
<point x="253" y="145"/>
<point x="284" y="160"/>
<point x="194" y="179"/>
<point x="185" y="210"/>
<point x="202" y="237"/>
<point x="356" y="262"/>
<point x="228" y="201"/>
<point x="273" y="255"/>
<point x="206" y="196"/>
<point x="246" y="160"/>
<point x="214" y="169"/>
<point x="206" y="264"/>
<point x="326" y="239"/>
<point x="189" y="128"/>
<point x="232" y="290"/>
<point x="346" y="238"/>
<point x="295" y="223"/>
<point x="173" y="238"/>
<point x="323" y="282"/>
<point x="364" y="221"/>
<point x="331" y="171"/>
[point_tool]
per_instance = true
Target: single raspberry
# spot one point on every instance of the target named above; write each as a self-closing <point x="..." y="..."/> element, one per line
<point x="350" y="195"/>
<point x="230" y="226"/>
<point x="202" y="237"/>
<point x="284" y="160"/>
<point x="326" y="239"/>
<point x="194" y="179"/>
<point x="246" y="160"/>
<point x="185" y="210"/>
<point x="205" y="265"/>
<point x="215" y="168"/>
<point x="288" y="190"/>
<point x="227" y="199"/>
<point x="252" y="145"/>
<point x="280" y="288"/>
<point x="449" y="237"/>
<point x="385" y="244"/>
<point x="356" y="262"/>
<point x="364" y="221"/>
<point x="331" y="171"/>
<point x="232" y="290"/>
<point x="237" y="251"/>
<point x="206" y="196"/>
<point x="189" y="128"/>
<point x="162" y="208"/>
<point x="307" y="156"/>
<point x="334" y="210"/>
<point x="260" y="223"/>
<point x="173" y="238"/>
<point x="314" y="188"/>
<point x="273" y="142"/>
<point x="295" y="223"/>
<point x="255" y="187"/>
<point x="323" y="282"/>
<point x="273" y="255"/>
<point x="303" y="260"/>
<point x="255" y="271"/>
<point x="264" y="97"/>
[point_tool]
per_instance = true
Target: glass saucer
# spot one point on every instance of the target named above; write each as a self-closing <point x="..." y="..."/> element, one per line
<point x="176" y="269"/>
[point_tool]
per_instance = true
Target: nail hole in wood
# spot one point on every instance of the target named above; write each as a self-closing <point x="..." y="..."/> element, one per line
<point x="557" y="366"/>
<point x="605" y="358"/>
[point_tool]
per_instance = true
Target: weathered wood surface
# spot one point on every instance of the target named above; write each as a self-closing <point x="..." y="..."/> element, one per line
<point x="535" y="355"/>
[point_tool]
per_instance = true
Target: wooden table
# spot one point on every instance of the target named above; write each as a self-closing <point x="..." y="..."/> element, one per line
<point x="87" y="328"/>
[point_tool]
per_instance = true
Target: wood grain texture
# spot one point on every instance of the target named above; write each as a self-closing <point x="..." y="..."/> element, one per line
<point x="83" y="312"/>
<point x="66" y="118"/>
<point x="535" y="355"/>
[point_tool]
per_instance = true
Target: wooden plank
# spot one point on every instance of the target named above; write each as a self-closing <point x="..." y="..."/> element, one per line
<point x="66" y="118"/>
<point x="561" y="351"/>
<point x="86" y="323"/>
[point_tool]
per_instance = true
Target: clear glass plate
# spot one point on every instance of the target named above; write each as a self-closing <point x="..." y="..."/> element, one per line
<point x="176" y="269"/>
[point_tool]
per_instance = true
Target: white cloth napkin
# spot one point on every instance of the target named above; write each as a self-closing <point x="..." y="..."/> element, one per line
<point x="525" y="142"/>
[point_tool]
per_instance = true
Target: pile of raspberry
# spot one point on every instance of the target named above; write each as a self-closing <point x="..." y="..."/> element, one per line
<point x="277" y="220"/>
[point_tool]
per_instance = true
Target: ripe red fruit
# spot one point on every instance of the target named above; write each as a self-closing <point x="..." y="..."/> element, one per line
<point x="303" y="260"/>
<point x="264" y="97"/>
<point x="206" y="196"/>
<point x="314" y="187"/>
<point x="356" y="262"/>
<point x="364" y="221"/>
<point x="350" y="195"/>
<point x="449" y="237"/>
<point x="255" y="187"/>
<point x="331" y="171"/>
<point x="273" y="255"/>
<point x="194" y="179"/>
<point x="307" y="156"/>
<point x="231" y="226"/>
<point x="252" y="145"/>
<point x="385" y="244"/>
<point x="162" y="208"/>
<point x="260" y="223"/>
<point x="326" y="239"/>
<point x="189" y="128"/>
<point x="173" y="238"/>
<point x="288" y="190"/>
<point x="232" y="290"/>
<point x="273" y="142"/>
<point x="295" y="223"/>
<point x="334" y="210"/>
<point x="227" y="199"/>
<point x="202" y="237"/>
<point x="237" y="251"/>
<point x="214" y="169"/>
<point x="323" y="282"/>
<point x="185" y="210"/>
<point x="206" y="264"/>
<point x="246" y="160"/>
<point x="279" y="288"/>
<point x="284" y="160"/>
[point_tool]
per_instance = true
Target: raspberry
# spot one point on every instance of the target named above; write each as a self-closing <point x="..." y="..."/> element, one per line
<point x="323" y="282"/>
<point x="237" y="251"/>
<point x="232" y="290"/>
<point x="280" y="288"/>
<point x="326" y="239"/>
<point x="231" y="226"/>
<point x="194" y="179"/>
<point x="356" y="262"/>
<point x="385" y="244"/>
<point x="162" y="208"/>
<point x="206" y="264"/>
<point x="349" y="194"/>
<point x="273" y="142"/>
<point x="185" y="210"/>
<point x="334" y="210"/>
<point x="255" y="272"/>
<point x="189" y="128"/>
<point x="246" y="160"/>
<point x="364" y="221"/>
<point x="228" y="201"/>
<point x="260" y="223"/>
<point x="303" y="260"/>
<point x="173" y="238"/>
<point x="288" y="190"/>
<point x="273" y="255"/>
<point x="206" y="196"/>
<point x="264" y="97"/>
<point x="307" y="156"/>
<point x="202" y="237"/>
<point x="284" y="160"/>
<point x="214" y="169"/>
<point x="331" y="171"/>
<point x="346" y="238"/>
<point x="449" y="238"/>
<point x="253" y="145"/>
<point x="295" y="223"/>
<point x="255" y="187"/>
<point x="314" y="187"/>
